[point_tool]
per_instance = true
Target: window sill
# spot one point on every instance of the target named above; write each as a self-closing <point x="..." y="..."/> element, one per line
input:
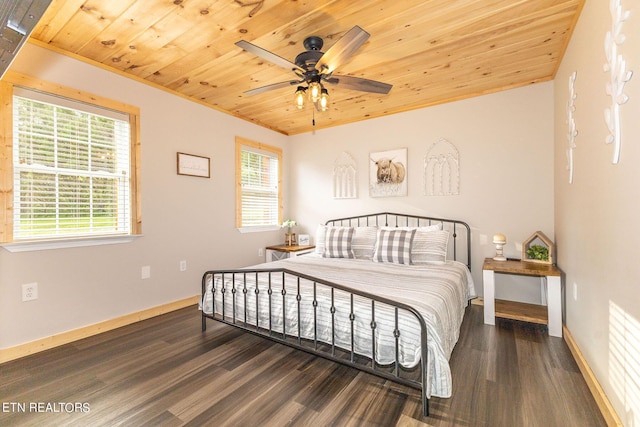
<point x="41" y="245"/>
<point x="259" y="229"/>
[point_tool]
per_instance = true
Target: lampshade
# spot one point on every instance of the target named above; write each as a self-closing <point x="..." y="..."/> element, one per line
<point x="324" y="100"/>
<point x="299" y="97"/>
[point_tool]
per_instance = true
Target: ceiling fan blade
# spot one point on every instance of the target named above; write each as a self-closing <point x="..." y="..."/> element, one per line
<point x="269" y="56"/>
<point x="357" y="83"/>
<point x="342" y="50"/>
<point x="272" y="87"/>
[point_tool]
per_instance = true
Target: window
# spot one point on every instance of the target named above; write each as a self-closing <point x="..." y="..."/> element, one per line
<point x="73" y="164"/>
<point x="258" y="184"/>
<point x="70" y="170"/>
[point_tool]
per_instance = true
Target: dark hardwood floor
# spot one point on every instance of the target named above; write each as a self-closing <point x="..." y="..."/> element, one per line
<point x="166" y="372"/>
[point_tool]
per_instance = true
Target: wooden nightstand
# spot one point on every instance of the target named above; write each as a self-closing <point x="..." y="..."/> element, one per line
<point x="277" y="252"/>
<point x="552" y="316"/>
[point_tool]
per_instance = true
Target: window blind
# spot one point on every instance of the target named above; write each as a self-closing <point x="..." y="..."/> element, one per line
<point x="259" y="182"/>
<point x="71" y="168"/>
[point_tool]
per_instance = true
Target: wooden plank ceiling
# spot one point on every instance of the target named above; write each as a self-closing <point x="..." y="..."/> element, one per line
<point x="431" y="51"/>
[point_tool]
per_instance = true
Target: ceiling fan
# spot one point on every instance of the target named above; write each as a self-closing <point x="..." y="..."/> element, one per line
<point x="314" y="68"/>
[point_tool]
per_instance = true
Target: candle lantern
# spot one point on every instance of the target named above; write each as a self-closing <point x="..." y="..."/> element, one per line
<point x="499" y="240"/>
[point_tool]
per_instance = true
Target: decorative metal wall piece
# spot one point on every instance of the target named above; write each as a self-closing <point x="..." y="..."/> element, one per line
<point x="442" y="169"/>
<point x="616" y="66"/>
<point x="572" y="132"/>
<point x="345" y="177"/>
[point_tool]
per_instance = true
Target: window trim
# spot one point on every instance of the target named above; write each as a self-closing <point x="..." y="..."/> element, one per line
<point x="7" y="84"/>
<point x="240" y="142"/>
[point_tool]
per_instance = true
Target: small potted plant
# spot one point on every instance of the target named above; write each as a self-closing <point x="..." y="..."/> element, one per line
<point x="289" y="236"/>
<point x="538" y="248"/>
<point x="538" y="253"/>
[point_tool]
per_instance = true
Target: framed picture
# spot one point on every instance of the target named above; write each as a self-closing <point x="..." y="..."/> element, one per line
<point x="303" y="239"/>
<point x="388" y="173"/>
<point x="189" y="164"/>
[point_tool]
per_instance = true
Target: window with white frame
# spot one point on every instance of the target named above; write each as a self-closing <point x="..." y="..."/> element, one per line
<point x="73" y="168"/>
<point x="258" y="183"/>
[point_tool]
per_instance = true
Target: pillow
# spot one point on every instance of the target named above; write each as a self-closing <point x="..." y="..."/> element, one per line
<point x="338" y="242"/>
<point x="394" y="245"/>
<point x="430" y="247"/>
<point x="363" y="243"/>
<point x="433" y="227"/>
<point x="321" y="233"/>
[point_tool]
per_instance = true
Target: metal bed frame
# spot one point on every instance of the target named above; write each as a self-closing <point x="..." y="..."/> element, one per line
<point x="237" y="289"/>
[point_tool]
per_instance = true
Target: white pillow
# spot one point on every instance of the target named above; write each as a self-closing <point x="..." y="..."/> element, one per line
<point x="338" y="242"/>
<point x="394" y="245"/>
<point x="433" y="227"/>
<point x="321" y="233"/>
<point x="364" y="242"/>
<point x="430" y="247"/>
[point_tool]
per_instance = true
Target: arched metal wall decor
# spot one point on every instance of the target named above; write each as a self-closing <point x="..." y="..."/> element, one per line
<point x="345" y="177"/>
<point x="616" y="66"/>
<point x="442" y="169"/>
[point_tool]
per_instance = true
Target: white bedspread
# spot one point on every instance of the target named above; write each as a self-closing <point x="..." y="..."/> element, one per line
<point x="439" y="293"/>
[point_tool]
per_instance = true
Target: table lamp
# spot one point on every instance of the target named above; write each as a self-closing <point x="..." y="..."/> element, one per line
<point x="499" y="240"/>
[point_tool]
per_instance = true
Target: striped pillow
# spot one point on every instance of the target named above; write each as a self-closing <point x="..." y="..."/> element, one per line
<point x="394" y="246"/>
<point x="338" y="242"/>
<point x="430" y="247"/>
<point x="364" y="242"/>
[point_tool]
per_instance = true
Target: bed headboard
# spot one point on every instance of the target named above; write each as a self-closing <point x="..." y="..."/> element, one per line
<point x="460" y="233"/>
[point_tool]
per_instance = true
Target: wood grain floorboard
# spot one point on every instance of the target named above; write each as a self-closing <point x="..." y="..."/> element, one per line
<point x="165" y="372"/>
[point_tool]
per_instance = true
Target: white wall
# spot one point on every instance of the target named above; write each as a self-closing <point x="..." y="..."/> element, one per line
<point x="184" y="218"/>
<point x="597" y="217"/>
<point x="505" y="142"/>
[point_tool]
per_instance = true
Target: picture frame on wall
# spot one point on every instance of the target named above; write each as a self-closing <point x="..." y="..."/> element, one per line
<point x="388" y="173"/>
<point x="193" y="165"/>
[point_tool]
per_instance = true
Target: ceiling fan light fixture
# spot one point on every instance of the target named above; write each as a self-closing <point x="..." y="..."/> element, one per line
<point x="324" y="100"/>
<point x="315" y="89"/>
<point x="299" y="97"/>
<point x="313" y="68"/>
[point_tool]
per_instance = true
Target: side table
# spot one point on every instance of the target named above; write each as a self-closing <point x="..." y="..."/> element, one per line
<point x="277" y="252"/>
<point x="521" y="311"/>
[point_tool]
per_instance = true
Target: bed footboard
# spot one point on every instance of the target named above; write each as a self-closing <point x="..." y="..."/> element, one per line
<point x="322" y="318"/>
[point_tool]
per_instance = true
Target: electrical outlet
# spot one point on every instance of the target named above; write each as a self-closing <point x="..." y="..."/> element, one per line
<point x="29" y="291"/>
<point x="260" y="251"/>
<point x="146" y="272"/>
<point x="183" y="265"/>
